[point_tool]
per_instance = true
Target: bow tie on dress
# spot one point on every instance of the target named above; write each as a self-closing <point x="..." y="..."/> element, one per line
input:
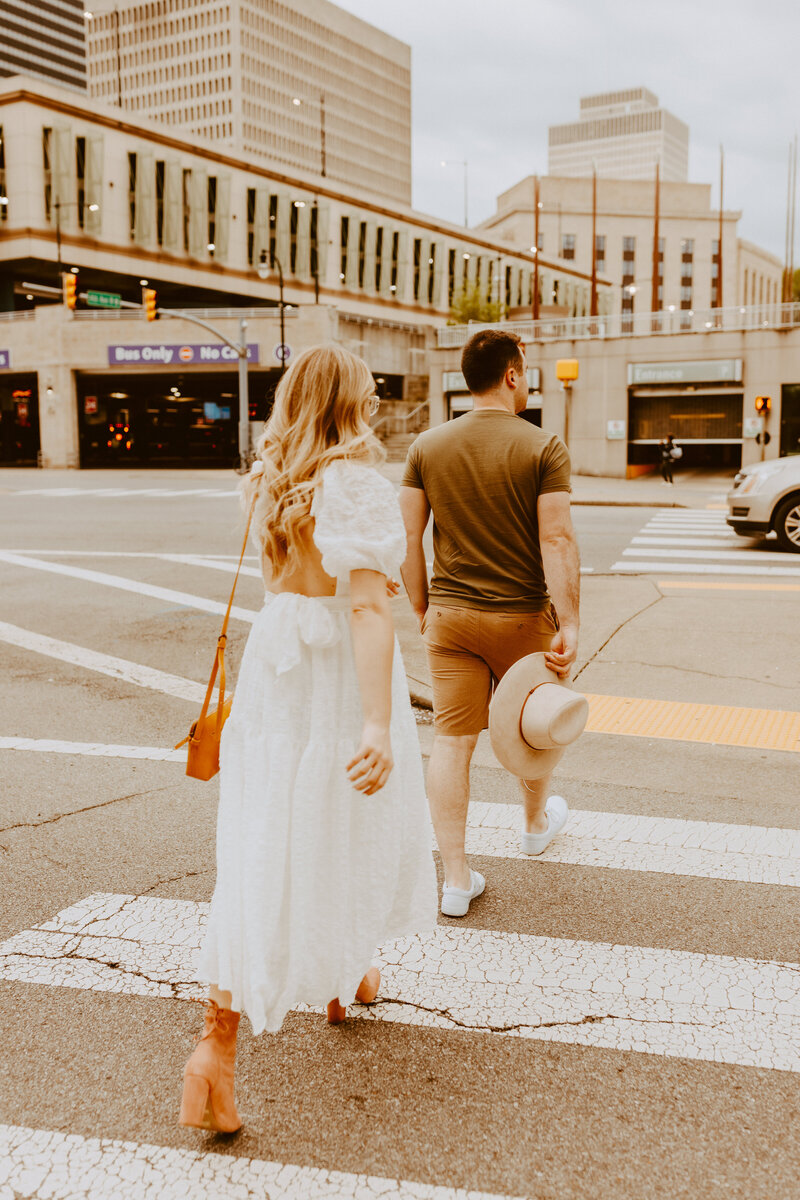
<point x="289" y="619"/>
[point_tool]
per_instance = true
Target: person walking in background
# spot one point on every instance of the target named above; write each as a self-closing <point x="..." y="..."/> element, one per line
<point x="669" y="453"/>
<point x="323" y="837"/>
<point x="506" y="580"/>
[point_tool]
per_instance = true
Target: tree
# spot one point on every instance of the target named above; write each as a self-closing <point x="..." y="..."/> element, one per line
<point x="471" y="305"/>
<point x="796" y="286"/>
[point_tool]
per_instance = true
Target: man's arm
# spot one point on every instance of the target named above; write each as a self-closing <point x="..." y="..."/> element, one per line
<point x="416" y="510"/>
<point x="562" y="570"/>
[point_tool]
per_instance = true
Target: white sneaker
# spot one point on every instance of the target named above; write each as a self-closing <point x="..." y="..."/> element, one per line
<point x="557" y="814"/>
<point x="456" y="901"/>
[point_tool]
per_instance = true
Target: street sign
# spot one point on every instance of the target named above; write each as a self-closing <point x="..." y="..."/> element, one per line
<point x="5" y="360"/>
<point x="615" y="431"/>
<point x="103" y="299"/>
<point x="166" y="354"/>
<point x="752" y="426"/>
<point x="283" y="352"/>
<point x="89" y="405"/>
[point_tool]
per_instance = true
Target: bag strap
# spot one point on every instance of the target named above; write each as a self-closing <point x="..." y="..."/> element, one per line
<point x="219" y="657"/>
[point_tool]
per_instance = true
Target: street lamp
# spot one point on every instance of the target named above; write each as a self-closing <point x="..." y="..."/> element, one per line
<point x="264" y="268"/>
<point x="460" y="162"/>
<point x="58" y="205"/>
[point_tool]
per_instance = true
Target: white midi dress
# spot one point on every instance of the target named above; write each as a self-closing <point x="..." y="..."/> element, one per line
<point x="313" y="875"/>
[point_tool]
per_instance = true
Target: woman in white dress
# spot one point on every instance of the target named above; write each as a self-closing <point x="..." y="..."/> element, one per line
<point x="324" y="847"/>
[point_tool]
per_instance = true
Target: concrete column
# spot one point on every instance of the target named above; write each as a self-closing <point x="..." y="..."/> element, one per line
<point x="58" y="408"/>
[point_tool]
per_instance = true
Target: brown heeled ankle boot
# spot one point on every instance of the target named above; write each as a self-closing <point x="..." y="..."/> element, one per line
<point x="367" y="991"/>
<point x="207" y="1101"/>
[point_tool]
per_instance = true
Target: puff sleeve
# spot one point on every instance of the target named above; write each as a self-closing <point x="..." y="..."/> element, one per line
<point x="358" y="523"/>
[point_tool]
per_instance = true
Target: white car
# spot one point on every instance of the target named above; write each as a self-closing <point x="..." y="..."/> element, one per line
<point x="767" y="496"/>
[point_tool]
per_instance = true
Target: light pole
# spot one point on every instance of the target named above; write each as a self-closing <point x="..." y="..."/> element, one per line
<point x="537" y="208"/>
<point x="264" y="268"/>
<point x="461" y="162"/>
<point x="58" y="205"/>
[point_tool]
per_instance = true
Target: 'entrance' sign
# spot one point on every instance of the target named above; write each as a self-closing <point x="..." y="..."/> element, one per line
<point x="720" y="370"/>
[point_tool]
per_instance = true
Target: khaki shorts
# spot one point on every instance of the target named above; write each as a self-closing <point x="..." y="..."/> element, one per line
<point x="469" y="651"/>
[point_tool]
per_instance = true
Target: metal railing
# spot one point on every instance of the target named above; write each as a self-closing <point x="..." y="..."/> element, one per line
<point x="404" y="417"/>
<point x="207" y="314"/>
<point x="613" y="325"/>
<point x="24" y="314"/>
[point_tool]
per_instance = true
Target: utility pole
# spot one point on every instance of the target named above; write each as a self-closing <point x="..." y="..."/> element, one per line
<point x="536" y="208"/>
<point x="654" y="306"/>
<point x="593" y="304"/>
<point x="719" y="256"/>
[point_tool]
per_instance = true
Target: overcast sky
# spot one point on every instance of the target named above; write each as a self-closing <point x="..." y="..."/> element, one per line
<point x="490" y="76"/>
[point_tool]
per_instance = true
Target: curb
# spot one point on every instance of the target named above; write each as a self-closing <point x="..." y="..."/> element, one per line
<point x="630" y="503"/>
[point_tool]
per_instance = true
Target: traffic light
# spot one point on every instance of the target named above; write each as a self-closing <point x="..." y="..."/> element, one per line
<point x="150" y="303"/>
<point x="70" y="289"/>
<point x="763" y="405"/>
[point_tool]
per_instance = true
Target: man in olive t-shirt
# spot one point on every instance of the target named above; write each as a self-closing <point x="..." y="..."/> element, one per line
<point x="505" y="563"/>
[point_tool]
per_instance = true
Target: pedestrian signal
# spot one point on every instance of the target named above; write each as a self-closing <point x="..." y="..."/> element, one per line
<point x="763" y="405"/>
<point x="150" y="303"/>
<point x="70" y="289"/>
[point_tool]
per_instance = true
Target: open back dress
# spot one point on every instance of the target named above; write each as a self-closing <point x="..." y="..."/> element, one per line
<point x="313" y="875"/>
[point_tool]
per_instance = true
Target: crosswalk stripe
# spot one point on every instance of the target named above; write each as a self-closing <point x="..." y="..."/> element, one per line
<point x="695" y="585"/>
<point x="689" y="568"/>
<point x="40" y="1162"/>
<point x="105" y="664"/>
<point x="688" y="542"/>
<point x="722" y="553"/>
<point x="105" y="493"/>
<point x="655" y="1001"/>
<point x="664" y="845"/>
<point x="183" y="599"/>
<point x="616" y="841"/>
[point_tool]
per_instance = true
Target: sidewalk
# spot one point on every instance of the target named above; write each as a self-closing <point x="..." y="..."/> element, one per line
<point x="693" y="489"/>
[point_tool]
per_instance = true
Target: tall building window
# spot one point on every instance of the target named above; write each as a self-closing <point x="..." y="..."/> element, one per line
<point x="160" y="201"/>
<point x="687" y="272"/>
<point x="600" y="253"/>
<point x="314" y="238"/>
<point x="378" y="256"/>
<point x="395" y="257"/>
<point x="3" y="192"/>
<point x="568" y="245"/>
<point x="294" y="217"/>
<point x="431" y="272"/>
<point x="451" y="276"/>
<point x="185" y="206"/>
<point x="273" y="226"/>
<point x="80" y="177"/>
<point x="362" y="251"/>
<point x="344" y="236"/>
<point x="251" y="224"/>
<point x="131" y="194"/>
<point x="47" y="163"/>
<point x="715" y="272"/>
<point x="417" y="258"/>
<point x="212" y="214"/>
<point x="628" y="273"/>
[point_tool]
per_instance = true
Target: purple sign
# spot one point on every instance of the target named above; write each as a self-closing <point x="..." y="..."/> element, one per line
<point x="175" y="354"/>
<point x="5" y="360"/>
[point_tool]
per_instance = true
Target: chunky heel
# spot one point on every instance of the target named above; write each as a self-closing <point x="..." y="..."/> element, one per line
<point x="368" y="988"/>
<point x="196" y="1103"/>
<point x="336" y="1012"/>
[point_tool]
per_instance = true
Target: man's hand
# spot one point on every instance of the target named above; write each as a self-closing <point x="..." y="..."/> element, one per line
<point x="563" y="651"/>
<point x="392" y="587"/>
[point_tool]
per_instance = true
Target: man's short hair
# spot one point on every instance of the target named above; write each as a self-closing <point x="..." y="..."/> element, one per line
<point x="486" y="358"/>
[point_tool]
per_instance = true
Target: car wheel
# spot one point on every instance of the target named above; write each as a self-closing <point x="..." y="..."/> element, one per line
<point x="787" y="524"/>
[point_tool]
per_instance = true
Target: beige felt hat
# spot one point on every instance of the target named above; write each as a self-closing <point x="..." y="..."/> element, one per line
<point x="533" y="717"/>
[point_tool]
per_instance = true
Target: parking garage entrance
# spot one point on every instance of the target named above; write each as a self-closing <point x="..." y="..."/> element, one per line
<point x="699" y="403"/>
<point x="168" y="419"/>
<point x="19" y="421"/>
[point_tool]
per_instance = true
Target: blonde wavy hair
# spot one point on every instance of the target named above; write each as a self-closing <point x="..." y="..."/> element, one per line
<point x="319" y="415"/>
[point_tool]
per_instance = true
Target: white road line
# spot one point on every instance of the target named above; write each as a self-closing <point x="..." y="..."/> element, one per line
<point x="105" y="493"/>
<point x="214" y="564"/>
<point x="652" y="568"/>
<point x="755" y="556"/>
<point x="105" y="664"/>
<point x="182" y="599"/>
<point x="655" y="1001"/>
<point x="615" y="841"/>
<point x="92" y="749"/>
<point x="664" y="845"/>
<point x="690" y="543"/>
<point x="37" y="1162"/>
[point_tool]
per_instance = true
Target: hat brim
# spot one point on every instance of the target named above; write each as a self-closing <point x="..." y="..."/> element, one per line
<point x="505" y="713"/>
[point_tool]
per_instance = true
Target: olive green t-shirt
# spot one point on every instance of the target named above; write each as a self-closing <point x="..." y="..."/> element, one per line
<point x="482" y="475"/>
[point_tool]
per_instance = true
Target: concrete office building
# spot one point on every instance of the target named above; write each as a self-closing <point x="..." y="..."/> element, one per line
<point x="231" y="71"/>
<point x="632" y="390"/>
<point x="124" y="201"/>
<point x="624" y="134"/>
<point x="44" y="39"/>
<point x="687" y="267"/>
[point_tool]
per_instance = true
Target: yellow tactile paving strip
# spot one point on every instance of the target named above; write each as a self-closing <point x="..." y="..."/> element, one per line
<point x="757" y="728"/>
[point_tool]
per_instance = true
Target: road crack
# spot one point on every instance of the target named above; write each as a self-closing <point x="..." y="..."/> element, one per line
<point x="620" y="627"/>
<point x="88" y="808"/>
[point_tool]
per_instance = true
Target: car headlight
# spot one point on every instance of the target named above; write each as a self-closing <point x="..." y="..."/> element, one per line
<point x="756" y="480"/>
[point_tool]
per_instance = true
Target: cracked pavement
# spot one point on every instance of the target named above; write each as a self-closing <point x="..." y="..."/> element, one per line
<point x="616" y="1019"/>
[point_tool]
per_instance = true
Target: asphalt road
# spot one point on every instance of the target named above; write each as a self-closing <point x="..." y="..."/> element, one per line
<point x="617" y="1019"/>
